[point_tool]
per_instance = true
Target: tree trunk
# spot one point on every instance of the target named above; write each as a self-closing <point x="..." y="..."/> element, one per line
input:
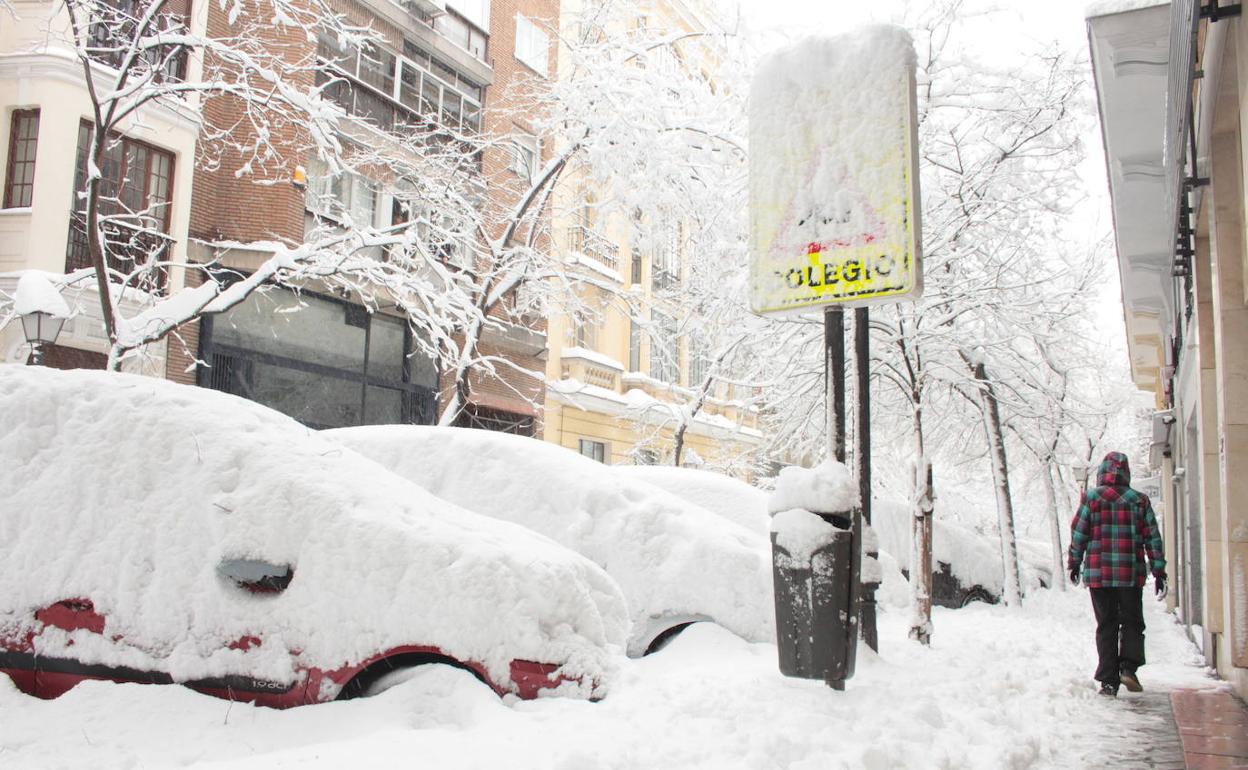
<point x="1001" y="479"/>
<point x="679" y="441"/>
<point x="1055" y="526"/>
<point x="96" y="251"/>
<point x="921" y="542"/>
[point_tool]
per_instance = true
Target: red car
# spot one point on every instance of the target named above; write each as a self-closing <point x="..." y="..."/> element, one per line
<point x="160" y="533"/>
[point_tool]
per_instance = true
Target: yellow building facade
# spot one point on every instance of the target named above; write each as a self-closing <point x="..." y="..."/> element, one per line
<point x="627" y="371"/>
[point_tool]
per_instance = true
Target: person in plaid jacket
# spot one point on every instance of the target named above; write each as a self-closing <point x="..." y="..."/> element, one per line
<point x="1116" y="528"/>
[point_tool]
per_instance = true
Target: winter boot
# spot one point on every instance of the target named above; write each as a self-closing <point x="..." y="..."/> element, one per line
<point x="1131" y="681"/>
<point x="1109" y="690"/>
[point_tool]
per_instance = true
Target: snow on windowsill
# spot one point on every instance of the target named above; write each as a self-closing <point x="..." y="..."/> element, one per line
<point x="591" y="355"/>
<point x="578" y="258"/>
<point x="643" y="402"/>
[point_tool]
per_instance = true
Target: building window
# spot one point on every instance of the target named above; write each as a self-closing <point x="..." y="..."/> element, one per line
<point x="19" y="180"/>
<point x="343" y="197"/>
<point x="462" y="33"/>
<point x="526" y="151"/>
<point x="115" y="24"/>
<point x="664" y="360"/>
<point x="665" y="266"/>
<point x="392" y="91"/>
<point x="441" y="234"/>
<point x="594" y="450"/>
<point x="532" y="46"/>
<point x="635" y="277"/>
<point x="135" y="203"/>
<point x="699" y="360"/>
<point x="583" y="331"/>
<point x="634" y="346"/>
<point x="324" y="362"/>
<point x="484" y="418"/>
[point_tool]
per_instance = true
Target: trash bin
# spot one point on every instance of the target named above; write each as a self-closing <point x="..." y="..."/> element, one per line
<point x="816" y="595"/>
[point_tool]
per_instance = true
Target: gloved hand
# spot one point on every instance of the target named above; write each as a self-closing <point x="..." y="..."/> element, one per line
<point x="1160" y="585"/>
<point x="1074" y="576"/>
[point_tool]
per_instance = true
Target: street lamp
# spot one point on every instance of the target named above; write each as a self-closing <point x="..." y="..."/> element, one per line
<point x="42" y="309"/>
<point x="41" y="328"/>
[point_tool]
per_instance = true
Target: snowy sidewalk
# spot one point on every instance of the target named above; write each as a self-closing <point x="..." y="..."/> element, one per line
<point x="1174" y="723"/>
<point x="998" y="688"/>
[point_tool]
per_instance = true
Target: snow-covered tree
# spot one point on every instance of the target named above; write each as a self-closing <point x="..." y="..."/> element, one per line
<point x="998" y="152"/>
<point x="141" y="56"/>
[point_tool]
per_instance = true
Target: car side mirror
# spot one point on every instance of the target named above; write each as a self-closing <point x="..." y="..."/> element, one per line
<point x="257" y="576"/>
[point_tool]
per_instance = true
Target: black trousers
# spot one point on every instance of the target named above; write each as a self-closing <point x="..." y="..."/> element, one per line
<point x="1119" y="631"/>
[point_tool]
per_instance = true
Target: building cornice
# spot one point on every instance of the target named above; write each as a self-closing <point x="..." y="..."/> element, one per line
<point x="62" y="65"/>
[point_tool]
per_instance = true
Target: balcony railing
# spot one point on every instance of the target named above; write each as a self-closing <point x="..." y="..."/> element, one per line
<point x="127" y="248"/>
<point x="594" y="245"/>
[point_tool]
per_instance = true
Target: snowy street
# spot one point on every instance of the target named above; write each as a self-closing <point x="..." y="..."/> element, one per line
<point x="998" y="688"/>
<point x="466" y="384"/>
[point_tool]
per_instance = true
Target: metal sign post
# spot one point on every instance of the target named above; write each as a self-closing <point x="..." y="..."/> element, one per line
<point x="834" y="222"/>
<point x="862" y="366"/>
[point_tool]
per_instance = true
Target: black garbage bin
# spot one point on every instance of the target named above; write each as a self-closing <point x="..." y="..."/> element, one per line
<point x="816" y="612"/>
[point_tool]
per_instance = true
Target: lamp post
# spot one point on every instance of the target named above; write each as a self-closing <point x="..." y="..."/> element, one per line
<point x="41" y="328"/>
<point x="42" y="309"/>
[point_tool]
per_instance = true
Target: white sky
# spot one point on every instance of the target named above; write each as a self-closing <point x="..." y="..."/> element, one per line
<point x="1037" y="19"/>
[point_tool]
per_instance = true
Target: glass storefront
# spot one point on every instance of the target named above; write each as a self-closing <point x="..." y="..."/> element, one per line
<point x="325" y="362"/>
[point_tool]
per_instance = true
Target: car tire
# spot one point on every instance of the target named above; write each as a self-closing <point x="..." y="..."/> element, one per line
<point x="387" y="673"/>
<point x="977" y="594"/>
<point x="666" y="636"/>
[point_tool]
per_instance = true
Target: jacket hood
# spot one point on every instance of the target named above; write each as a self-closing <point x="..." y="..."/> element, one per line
<point x="1115" y="471"/>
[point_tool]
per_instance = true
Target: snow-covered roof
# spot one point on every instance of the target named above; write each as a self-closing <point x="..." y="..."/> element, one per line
<point x="132" y="492"/>
<point x="671" y="558"/>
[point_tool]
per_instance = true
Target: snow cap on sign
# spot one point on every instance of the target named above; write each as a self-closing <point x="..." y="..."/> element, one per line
<point x="1109" y="7"/>
<point x="36" y="294"/>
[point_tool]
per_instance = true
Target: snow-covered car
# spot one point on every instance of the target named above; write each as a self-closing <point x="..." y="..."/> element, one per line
<point x="732" y="499"/>
<point x="677" y="563"/>
<point x="162" y="533"/>
<point x="966" y="565"/>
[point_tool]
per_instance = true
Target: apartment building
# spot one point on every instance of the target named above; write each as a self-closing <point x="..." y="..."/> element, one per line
<point x="45" y="122"/>
<point x="1172" y="87"/>
<point x="624" y="371"/>
<point x="334" y="362"/>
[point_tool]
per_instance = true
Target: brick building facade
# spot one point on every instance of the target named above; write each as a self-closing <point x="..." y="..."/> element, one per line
<point x="334" y="362"/>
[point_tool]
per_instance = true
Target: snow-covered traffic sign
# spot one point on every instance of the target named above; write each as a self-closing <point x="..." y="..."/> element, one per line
<point x="834" y="191"/>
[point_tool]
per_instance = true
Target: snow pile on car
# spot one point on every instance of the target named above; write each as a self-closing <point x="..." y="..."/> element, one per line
<point x="736" y="501"/>
<point x="672" y="559"/>
<point x="973" y="559"/>
<point x="131" y="492"/>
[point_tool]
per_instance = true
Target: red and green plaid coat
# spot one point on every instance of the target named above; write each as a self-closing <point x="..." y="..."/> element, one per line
<point x="1115" y="526"/>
